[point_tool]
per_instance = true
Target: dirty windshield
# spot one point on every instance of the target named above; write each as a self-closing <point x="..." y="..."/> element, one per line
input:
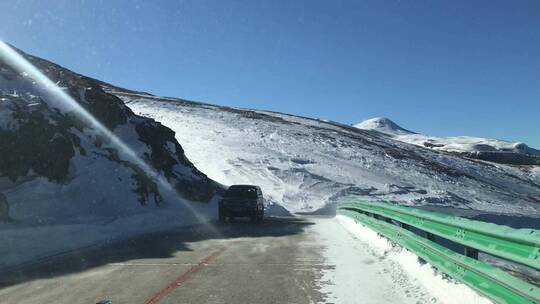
<point x="269" y="151"/>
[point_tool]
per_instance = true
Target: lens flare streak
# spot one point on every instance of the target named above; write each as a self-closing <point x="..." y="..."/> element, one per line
<point x="66" y="102"/>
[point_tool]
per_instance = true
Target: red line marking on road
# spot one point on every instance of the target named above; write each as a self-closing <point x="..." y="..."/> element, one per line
<point x="158" y="296"/>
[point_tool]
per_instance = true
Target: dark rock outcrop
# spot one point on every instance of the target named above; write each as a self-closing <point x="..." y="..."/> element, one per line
<point x="510" y="158"/>
<point x="35" y="144"/>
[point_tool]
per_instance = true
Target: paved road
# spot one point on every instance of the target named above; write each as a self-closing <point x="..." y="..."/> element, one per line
<point x="283" y="260"/>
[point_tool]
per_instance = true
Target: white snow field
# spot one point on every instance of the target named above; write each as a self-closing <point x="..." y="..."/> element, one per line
<point x="450" y="144"/>
<point x="304" y="165"/>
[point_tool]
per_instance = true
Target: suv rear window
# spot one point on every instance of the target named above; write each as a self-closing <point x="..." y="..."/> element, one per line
<point x="241" y="192"/>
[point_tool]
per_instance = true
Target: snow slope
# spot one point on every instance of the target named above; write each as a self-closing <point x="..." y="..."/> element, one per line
<point x="475" y="147"/>
<point x="304" y="164"/>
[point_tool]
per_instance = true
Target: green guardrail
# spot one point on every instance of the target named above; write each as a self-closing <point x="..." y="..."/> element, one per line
<point x="516" y="245"/>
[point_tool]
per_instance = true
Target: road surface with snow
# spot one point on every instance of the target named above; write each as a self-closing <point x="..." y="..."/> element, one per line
<point x="283" y="260"/>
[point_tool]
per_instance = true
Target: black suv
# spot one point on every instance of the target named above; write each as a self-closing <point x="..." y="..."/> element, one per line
<point x="242" y="201"/>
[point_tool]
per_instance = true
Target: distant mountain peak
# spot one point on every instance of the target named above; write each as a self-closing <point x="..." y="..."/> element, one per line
<point x="493" y="150"/>
<point x="382" y="124"/>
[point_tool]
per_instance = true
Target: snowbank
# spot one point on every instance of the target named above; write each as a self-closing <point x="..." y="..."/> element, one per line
<point x="354" y="275"/>
<point x="446" y="290"/>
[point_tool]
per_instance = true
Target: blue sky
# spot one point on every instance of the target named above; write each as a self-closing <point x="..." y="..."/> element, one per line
<point x="436" y="67"/>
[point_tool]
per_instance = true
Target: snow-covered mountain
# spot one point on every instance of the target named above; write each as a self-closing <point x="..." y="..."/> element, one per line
<point x="303" y="164"/>
<point x="306" y="164"/>
<point x="55" y="168"/>
<point x="62" y="182"/>
<point x="493" y="150"/>
<point x="384" y="125"/>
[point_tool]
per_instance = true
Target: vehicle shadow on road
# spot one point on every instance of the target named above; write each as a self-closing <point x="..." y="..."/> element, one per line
<point x="149" y="246"/>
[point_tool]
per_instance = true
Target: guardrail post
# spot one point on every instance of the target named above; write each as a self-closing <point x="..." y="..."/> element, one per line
<point x="471" y="252"/>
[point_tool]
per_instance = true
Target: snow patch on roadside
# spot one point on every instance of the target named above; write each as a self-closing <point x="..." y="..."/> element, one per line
<point x="447" y="291"/>
<point x="353" y="274"/>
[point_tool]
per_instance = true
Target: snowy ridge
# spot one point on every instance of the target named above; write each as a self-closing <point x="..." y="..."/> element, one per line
<point x="304" y="165"/>
<point x="476" y="147"/>
<point x="382" y="124"/>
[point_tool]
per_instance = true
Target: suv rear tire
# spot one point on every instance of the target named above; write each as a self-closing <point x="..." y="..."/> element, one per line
<point x="222" y="216"/>
<point x="257" y="217"/>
